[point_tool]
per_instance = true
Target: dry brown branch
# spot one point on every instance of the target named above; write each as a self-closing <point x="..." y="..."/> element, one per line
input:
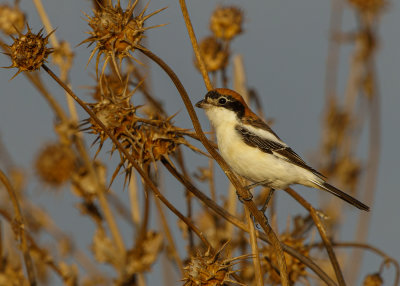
<point x="322" y="231"/>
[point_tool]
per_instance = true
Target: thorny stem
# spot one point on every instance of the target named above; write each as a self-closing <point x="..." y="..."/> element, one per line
<point x="244" y="194"/>
<point x="238" y="223"/>
<point x="322" y="232"/>
<point x="19" y="228"/>
<point x="129" y="157"/>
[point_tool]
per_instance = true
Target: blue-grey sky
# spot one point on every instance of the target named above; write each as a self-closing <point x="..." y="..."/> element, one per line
<point x="284" y="47"/>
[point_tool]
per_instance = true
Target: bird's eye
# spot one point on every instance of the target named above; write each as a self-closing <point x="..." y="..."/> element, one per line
<point x="222" y="100"/>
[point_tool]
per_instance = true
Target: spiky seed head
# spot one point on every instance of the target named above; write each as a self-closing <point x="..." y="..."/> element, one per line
<point x="295" y="268"/>
<point x="205" y="269"/>
<point x="116" y="33"/>
<point x="12" y="19"/>
<point x="226" y="22"/>
<point x="213" y="53"/>
<point x="373" y="280"/>
<point x="29" y="51"/>
<point x="55" y="164"/>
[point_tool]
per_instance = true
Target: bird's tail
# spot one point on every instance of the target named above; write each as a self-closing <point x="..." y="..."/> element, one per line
<point x="331" y="189"/>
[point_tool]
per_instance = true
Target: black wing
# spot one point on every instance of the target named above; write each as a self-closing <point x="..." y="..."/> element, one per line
<point x="271" y="147"/>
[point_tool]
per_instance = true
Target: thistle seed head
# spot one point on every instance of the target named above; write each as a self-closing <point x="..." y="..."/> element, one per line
<point x="12" y="19"/>
<point x="55" y="164"/>
<point x="226" y="22"/>
<point x="213" y="53"/>
<point x="29" y="51"/>
<point x="116" y="33"/>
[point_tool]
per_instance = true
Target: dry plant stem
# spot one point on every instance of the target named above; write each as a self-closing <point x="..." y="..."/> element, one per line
<point x="36" y="81"/>
<point x="322" y="232"/>
<point x="20" y="223"/>
<point x="129" y="157"/>
<point x="188" y="196"/>
<point x="64" y="68"/>
<point x="333" y="49"/>
<point x="254" y="250"/>
<point x="33" y="246"/>
<point x="242" y="193"/>
<point x="146" y="212"/>
<point x="195" y="45"/>
<point x="134" y="200"/>
<point x="238" y="223"/>
<point x="117" y="237"/>
<point x="168" y="234"/>
<point x="46" y="22"/>
<point x="371" y="172"/>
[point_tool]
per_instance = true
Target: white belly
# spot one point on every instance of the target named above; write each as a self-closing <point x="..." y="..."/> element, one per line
<point x="256" y="165"/>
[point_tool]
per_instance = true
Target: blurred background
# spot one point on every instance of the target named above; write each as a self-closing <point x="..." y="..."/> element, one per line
<point x="285" y="47"/>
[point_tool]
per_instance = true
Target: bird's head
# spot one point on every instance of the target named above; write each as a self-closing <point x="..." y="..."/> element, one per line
<point x="224" y="103"/>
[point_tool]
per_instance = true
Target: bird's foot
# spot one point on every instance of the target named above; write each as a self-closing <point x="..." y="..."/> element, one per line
<point x="251" y="186"/>
<point x="243" y="199"/>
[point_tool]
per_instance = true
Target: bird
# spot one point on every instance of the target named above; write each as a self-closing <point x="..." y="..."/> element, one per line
<point x="255" y="152"/>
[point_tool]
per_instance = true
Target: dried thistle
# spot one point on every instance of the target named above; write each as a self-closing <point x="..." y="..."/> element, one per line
<point x="210" y="270"/>
<point x="215" y="56"/>
<point x="226" y="22"/>
<point x="141" y="257"/>
<point x="116" y="32"/>
<point x="373" y="280"/>
<point x="29" y="51"/>
<point x="104" y="250"/>
<point x="295" y="268"/>
<point x="55" y="164"/>
<point x="337" y="123"/>
<point x="12" y="19"/>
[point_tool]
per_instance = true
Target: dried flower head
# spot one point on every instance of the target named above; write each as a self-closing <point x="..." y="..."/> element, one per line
<point x="55" y="164"/>
<point x="215" y="56"/>
<point x="369" y="6"/>
<point x="373" y="280"/>
<point x="12" y="19"/>
<point x="226" y="22"/>
<point x="337" y="124"/>
<point x="141" y="257"/>
<point x="104" y="250"/>
<point x="29" y="51"/>
<point x="116" y="32"/>
<point x="210" y="270"/>
<point x="295" y="268"/>
<point x="147" y="140"/>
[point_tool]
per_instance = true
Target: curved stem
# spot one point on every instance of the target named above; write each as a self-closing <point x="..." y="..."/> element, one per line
<point x="19" y="226"/>
<point x="244" y="195"/>
<point x="371" y="248"/>
<point x="195" y="45"/>
<point x="238" y="223"/>
<point x="322" y="232"/>
<point x="129" y="157"/>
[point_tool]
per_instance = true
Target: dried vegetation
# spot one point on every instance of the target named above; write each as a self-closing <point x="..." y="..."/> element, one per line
<point x="219" y="243"/>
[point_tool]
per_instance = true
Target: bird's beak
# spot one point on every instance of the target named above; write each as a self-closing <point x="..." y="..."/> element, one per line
<point x="200" y="104"/>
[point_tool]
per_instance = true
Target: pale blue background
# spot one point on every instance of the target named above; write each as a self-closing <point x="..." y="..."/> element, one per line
<point x="284" y="46"/>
